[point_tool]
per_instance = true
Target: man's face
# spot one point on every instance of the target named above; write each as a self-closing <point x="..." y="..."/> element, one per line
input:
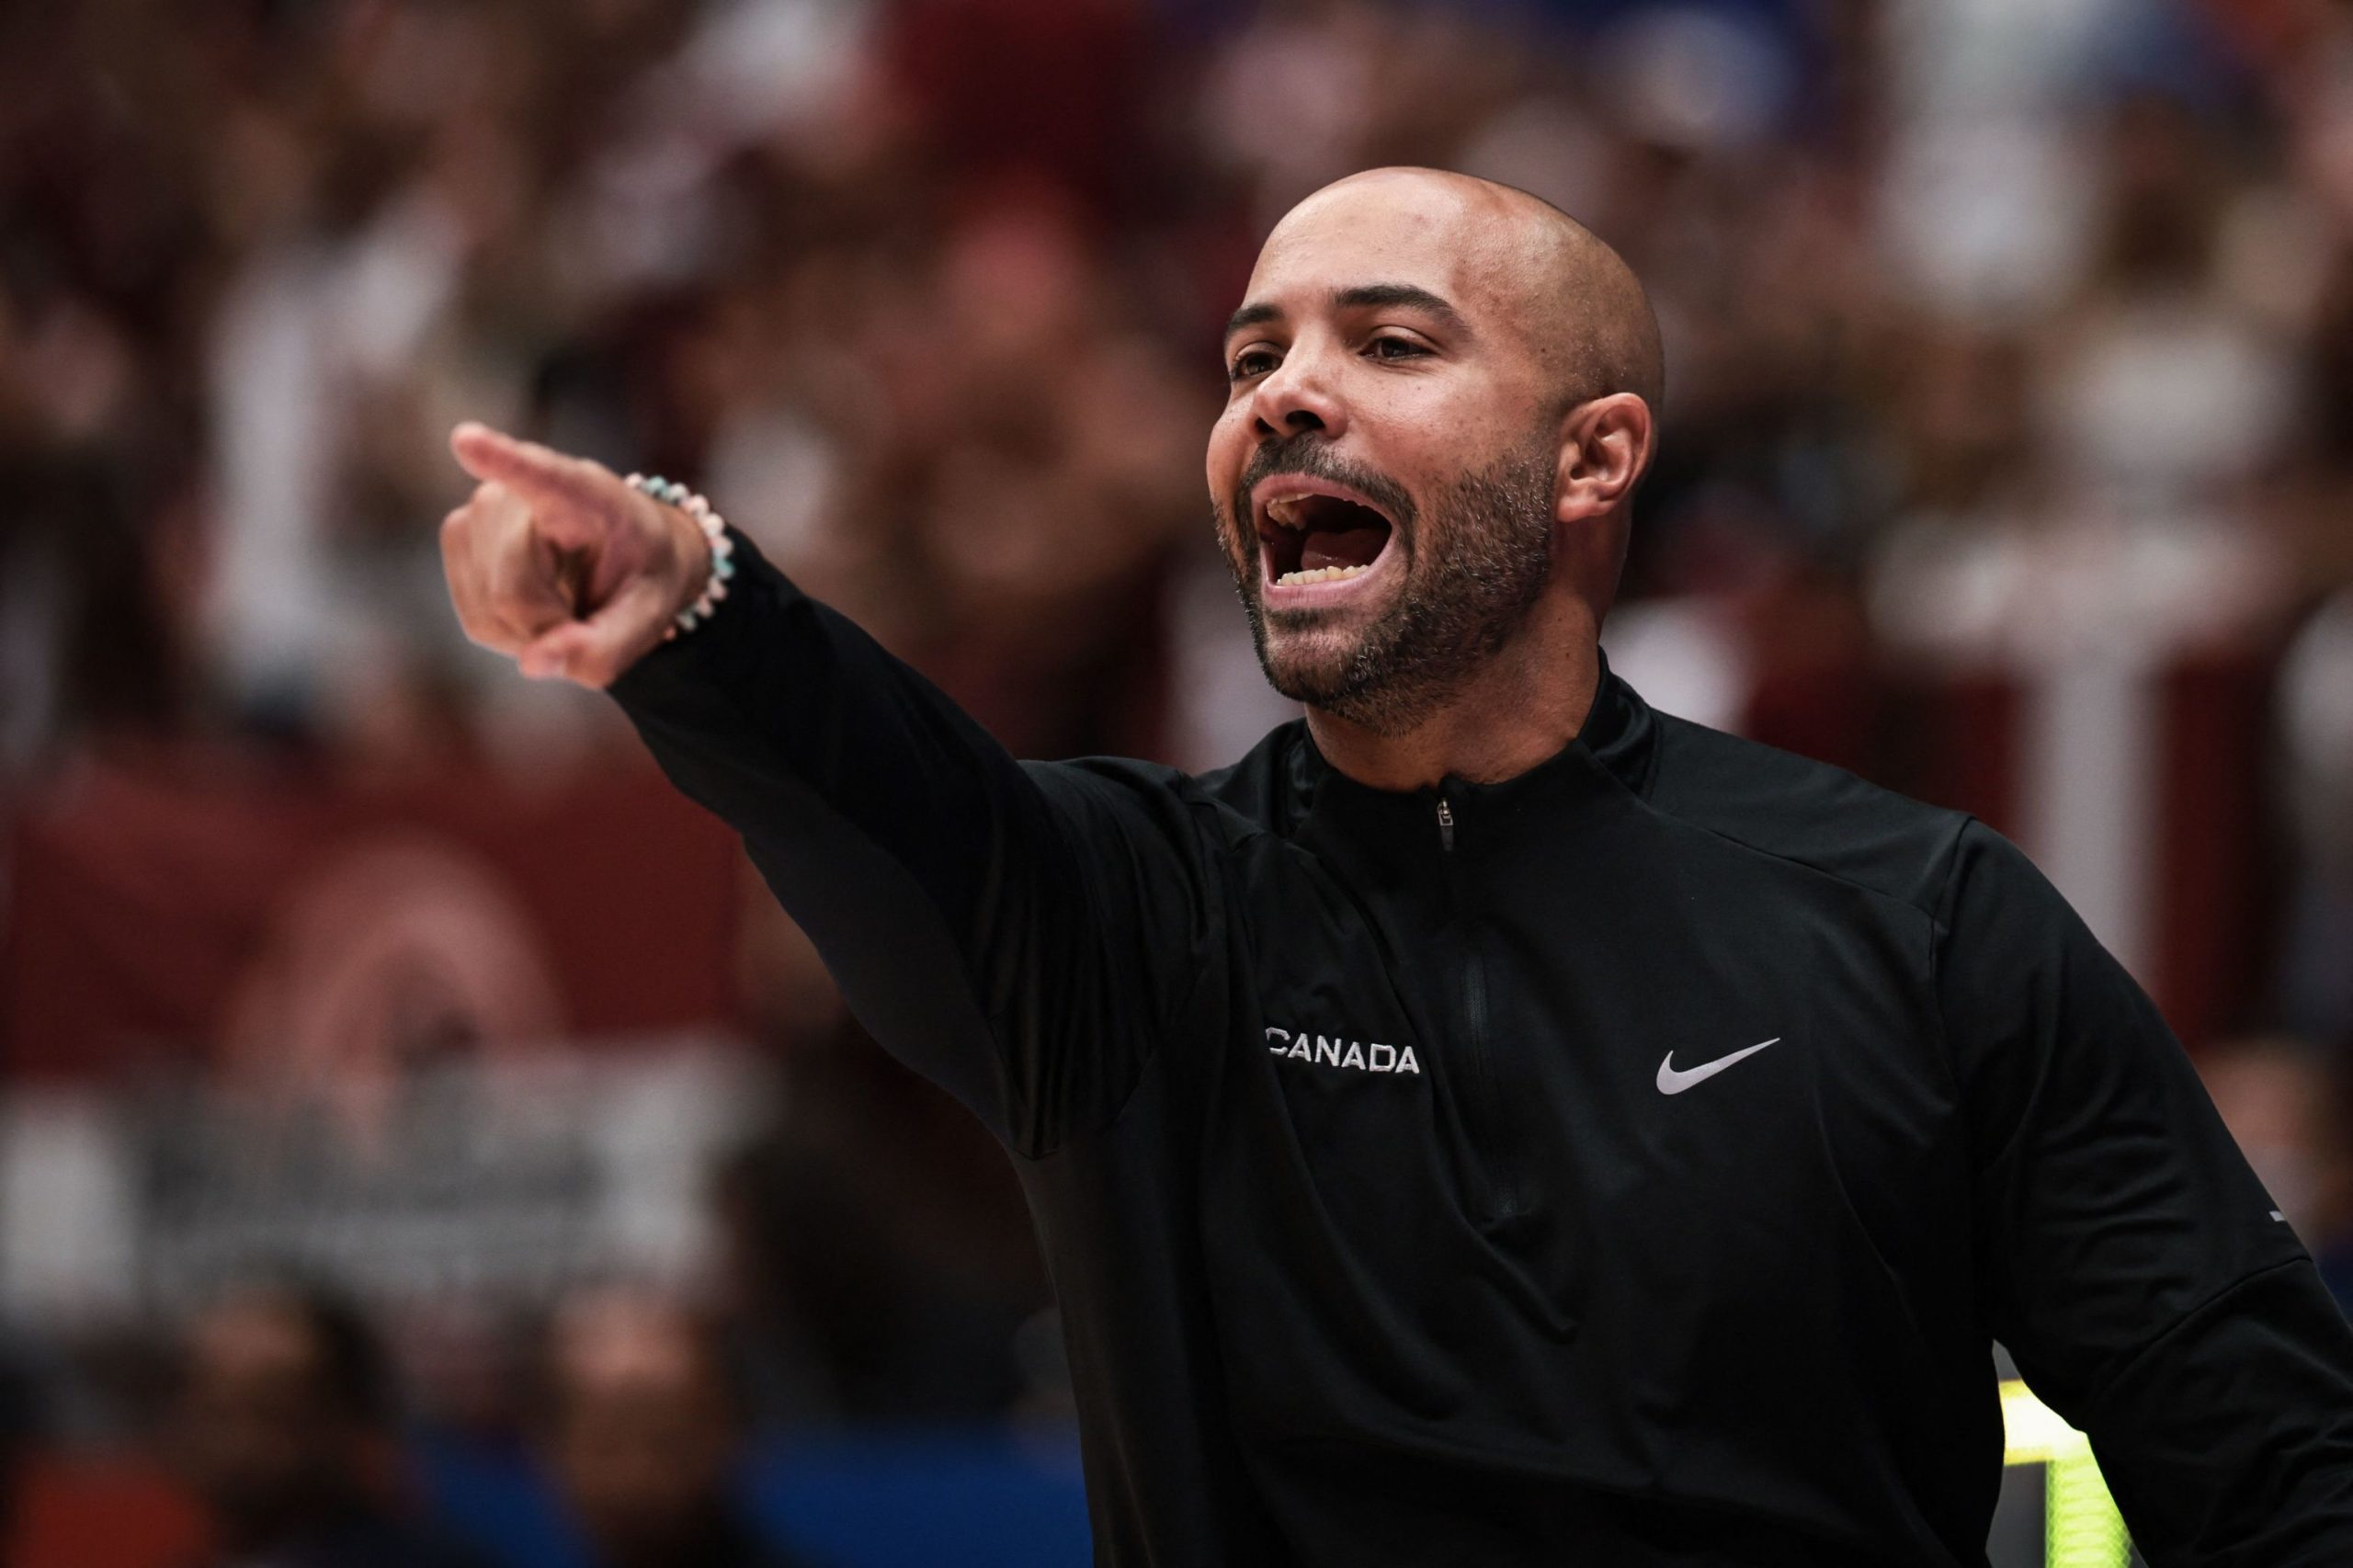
<point x="643" y="1436"/>
<point x="1383" y="474"/>
<point x="259" y="1431"/>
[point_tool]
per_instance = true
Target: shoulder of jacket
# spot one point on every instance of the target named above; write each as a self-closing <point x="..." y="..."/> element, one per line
<point x="1225" y="806"/>
<point x="1262" y="792"/>
<point x="1810" y="812"/>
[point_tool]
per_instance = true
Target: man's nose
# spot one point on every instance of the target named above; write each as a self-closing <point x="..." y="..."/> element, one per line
<point x="1296" y="397"/>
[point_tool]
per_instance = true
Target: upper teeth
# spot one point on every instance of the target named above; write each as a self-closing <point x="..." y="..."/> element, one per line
<point x="1284" y="509"/>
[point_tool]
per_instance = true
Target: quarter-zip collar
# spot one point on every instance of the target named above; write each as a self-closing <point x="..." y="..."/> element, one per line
<point x="1615" y="748"/>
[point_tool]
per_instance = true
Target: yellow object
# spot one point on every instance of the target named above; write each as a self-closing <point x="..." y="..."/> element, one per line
<point x="2080" y="1524"/>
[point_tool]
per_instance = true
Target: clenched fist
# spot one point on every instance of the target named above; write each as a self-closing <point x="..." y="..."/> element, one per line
<point x="555" y="561"/>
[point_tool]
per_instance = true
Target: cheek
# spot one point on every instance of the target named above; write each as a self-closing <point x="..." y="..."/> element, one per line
<point x="1452" y="416"/>
<point x="1228" y="448"/>
<point x="1410" y="416"/>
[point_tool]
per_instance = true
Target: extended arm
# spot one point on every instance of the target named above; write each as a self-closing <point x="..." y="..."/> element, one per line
<point x="1022" y="934"/>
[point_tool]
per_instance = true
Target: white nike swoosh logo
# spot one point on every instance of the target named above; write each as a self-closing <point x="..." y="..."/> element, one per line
<point x="1671" y="1082"/>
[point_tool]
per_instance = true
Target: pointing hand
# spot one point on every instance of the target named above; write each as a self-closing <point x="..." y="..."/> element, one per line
<point x="556" y="562"/>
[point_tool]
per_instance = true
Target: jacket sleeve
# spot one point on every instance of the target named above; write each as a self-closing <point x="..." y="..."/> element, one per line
<point x="1018" y="932"/>
<point x="2129" y="1258"/>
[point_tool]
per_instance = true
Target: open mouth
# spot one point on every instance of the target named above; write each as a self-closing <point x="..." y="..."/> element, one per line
<point x="1310" y="532"/>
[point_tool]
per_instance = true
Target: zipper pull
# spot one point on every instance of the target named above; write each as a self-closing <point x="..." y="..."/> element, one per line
<point x="1445" y="825"/>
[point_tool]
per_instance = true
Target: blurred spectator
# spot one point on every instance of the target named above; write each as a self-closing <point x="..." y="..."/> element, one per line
<point x="645" y="1436"/>
<point x="284" y="1428"/>
<point x="2317" y="720"/>
<point x="18" y="1425"/>
<point x="2286" y="1104"/>
<point x="875" y="1250"/>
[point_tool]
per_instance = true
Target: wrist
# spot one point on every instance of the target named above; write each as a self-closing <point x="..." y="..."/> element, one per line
<point x="704" y="551"/>
<point x="693" y="550"/>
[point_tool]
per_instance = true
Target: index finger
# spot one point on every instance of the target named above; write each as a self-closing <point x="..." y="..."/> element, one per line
<point x="541" y="474"/>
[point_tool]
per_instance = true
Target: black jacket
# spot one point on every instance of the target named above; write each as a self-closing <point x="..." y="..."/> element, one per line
<point x="1392" y="1213"/>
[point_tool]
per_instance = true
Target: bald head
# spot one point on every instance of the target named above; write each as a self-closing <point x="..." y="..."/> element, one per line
<point x="1577" y="305"/>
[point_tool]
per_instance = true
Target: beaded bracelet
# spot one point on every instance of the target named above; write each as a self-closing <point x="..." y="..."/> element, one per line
<point x="714" y="529"/>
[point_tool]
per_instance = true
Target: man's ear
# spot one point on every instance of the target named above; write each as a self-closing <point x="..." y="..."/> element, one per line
<point x="1606" y="447"/>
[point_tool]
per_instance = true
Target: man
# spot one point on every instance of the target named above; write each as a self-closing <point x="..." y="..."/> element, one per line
<point x="284" y="1429"/>
<point x="1494" y="1123"/>
<point x="644" y="1435"/>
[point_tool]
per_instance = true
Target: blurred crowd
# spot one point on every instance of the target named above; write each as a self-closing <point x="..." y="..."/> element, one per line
<point x="283" y="1446"/>
<point x="2002" y="339"/>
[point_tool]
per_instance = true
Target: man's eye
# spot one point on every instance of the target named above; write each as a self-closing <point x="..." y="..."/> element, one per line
<point x="1395" y="349"/>
<point x="1250" y="362"/>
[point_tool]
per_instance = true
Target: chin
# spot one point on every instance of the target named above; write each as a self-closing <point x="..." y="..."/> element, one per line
<point x="1313" y="639"/>
<point x="1318" y="666"/>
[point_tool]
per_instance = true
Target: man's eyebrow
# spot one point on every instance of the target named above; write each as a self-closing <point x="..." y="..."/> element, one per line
<point x="1375" y="296"/>
<point x="1362" y="297"/>
<point x="1257" y="313"/>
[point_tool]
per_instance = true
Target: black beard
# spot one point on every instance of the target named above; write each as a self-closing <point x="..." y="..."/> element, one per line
<point x="1492" y="552"/>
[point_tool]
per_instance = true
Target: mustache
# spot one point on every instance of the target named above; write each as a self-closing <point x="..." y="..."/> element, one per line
<point x="1306" y="453"/>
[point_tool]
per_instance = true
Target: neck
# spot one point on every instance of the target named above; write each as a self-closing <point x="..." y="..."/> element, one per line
<point x="1522" y="707"/>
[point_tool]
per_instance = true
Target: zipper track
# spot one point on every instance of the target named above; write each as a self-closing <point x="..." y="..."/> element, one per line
<point x="1503" y="1193"/>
